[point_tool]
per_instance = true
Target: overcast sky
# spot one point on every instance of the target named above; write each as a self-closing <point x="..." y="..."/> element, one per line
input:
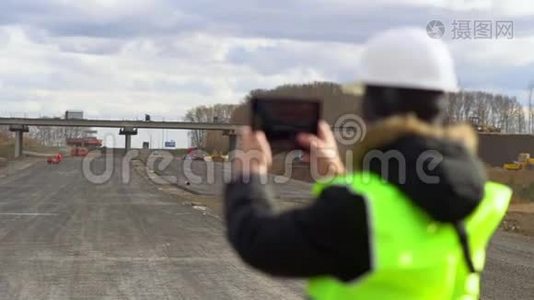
<point x="124" y="58"/>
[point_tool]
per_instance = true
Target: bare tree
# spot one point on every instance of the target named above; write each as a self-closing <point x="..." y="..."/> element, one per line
<point x="218" y="113"/>
<point x="489" y="110"/>
<point x="55" y="136"/>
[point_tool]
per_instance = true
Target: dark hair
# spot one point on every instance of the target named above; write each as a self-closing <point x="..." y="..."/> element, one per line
<point x="381" y="102"/>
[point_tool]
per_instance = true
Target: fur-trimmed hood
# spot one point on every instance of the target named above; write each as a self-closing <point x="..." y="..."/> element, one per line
<point x="435" y="166"/>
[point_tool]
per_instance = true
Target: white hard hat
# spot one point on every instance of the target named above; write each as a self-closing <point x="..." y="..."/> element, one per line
<point x="408" y="58"/>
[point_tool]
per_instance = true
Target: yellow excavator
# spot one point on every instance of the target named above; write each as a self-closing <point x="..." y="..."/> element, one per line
<point x="524" y="162"/>
<point x="479" y="127"/>
<point x="218" y="157"/>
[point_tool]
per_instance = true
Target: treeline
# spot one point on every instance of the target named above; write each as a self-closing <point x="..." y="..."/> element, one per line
<point x="47" y="136"/>
<point x="55" y="136"/>
<point x="499" y="112"/>
<point x="335" y="103"/>
<point x="4" y="134"/>
<point x="487" y="111"/>
<point x="218" y="113"/>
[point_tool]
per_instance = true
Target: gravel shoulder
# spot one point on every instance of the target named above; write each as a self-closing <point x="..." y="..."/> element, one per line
<point x="63" y="237"/>
<point x="510" y="261"/>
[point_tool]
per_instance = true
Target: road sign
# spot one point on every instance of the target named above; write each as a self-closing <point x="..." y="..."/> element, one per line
<point x="170" y="144"/>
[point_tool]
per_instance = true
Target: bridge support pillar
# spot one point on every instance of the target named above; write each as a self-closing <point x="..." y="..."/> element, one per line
<point x="128" y="132"/>
<point x="232" y="142"/>
<point x="19" y="138"/>
<point x="232" y="138"/>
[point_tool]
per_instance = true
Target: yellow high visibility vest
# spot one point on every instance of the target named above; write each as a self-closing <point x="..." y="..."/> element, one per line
<point x="412" y="255"/>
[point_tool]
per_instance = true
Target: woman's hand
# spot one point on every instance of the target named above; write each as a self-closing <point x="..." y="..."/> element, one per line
<point x="253" y="155"/>
<point x="323" y="154"/>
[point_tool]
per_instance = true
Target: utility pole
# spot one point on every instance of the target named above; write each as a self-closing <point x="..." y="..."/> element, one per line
<point x="530" y="114"/>
<point x="163" y="136"/>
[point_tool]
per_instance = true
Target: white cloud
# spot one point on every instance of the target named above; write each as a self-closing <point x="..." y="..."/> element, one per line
<point x="163" y="76"/>
<point x="497" y="7"/>
<point x="181" y="70"/>
<point x="124" y="58"/>
<point x="495" y="53"/>
<point x="105" y="10"/>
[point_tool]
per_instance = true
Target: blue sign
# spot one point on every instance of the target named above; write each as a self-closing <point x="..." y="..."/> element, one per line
<point x="170" y="144"/>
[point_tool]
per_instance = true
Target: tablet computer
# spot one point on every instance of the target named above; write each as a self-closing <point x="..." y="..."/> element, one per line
<point x="283" y="118"/>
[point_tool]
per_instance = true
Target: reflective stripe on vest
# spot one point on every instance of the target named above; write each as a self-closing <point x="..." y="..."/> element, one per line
<point x="413" y="256"/>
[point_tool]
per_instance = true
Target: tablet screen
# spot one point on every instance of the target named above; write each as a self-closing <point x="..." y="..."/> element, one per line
<point x="282" y="119"/>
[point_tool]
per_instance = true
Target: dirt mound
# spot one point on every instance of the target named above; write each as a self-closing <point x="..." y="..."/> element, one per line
<point x="521" y="182"/>
<point x="520" y="216"/>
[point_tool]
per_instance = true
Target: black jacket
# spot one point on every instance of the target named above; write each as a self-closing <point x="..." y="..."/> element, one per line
<point x="331" y="236"/>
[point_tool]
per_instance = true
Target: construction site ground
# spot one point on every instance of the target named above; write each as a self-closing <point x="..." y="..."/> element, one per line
<point x="65" y="237"/>
<point x="510" y="261"/>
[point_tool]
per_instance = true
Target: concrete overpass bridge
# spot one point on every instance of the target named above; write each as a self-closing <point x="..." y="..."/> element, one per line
<point x="126" y="127"/>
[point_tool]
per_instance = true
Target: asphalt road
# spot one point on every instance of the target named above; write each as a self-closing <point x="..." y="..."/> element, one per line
<point x="208" y="178"/>
<point x="509" y="272"/>
<point x="63" y="237"/>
